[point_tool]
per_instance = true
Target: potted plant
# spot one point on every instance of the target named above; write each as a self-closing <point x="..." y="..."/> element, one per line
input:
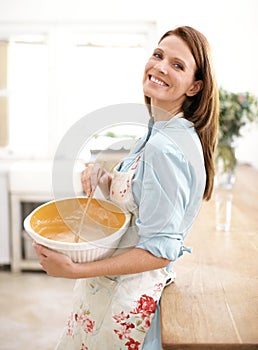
<point x="236" y="110"/>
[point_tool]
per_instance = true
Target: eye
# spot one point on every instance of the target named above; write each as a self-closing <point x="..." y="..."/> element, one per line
<point x="179" y="66"/>
<point x="157" y="55"/>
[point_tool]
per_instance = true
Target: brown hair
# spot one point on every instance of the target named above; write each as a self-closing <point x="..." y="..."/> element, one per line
<point x="203" y="108"/>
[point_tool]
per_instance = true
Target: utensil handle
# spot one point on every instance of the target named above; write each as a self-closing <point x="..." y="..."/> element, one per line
<point x="77" y="235"/>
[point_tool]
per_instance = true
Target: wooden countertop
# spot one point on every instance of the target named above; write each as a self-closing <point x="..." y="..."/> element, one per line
<point x="214" y="302"/>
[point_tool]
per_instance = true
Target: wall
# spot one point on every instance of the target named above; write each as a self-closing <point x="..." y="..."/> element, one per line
<point x="230" y="26"/>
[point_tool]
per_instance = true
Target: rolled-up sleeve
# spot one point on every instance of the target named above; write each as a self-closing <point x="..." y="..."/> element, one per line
<point x="165" y="192"/>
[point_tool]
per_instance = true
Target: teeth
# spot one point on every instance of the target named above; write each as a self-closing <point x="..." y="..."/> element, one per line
<point x="157" y="81"/>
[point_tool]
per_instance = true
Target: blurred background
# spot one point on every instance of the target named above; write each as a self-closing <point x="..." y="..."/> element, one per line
<point x="63" y="59"/>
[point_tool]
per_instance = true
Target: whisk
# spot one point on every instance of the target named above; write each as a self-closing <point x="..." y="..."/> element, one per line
<point x="78" y="233"/>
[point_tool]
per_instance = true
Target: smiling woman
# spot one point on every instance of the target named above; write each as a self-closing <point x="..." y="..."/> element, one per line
<point x="172" y="68"/>
<point x="161" y="184"/>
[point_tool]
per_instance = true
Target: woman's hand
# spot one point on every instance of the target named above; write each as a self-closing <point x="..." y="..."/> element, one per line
<point x="55" y="264"/>
<point x="95" y="175"/>
<point x="59" y="265"/>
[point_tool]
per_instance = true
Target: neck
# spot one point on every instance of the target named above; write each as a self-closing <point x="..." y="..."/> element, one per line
<point x="164" y="115"/>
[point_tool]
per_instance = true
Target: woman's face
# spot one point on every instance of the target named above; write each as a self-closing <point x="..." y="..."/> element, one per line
<point x="169" y="75"/>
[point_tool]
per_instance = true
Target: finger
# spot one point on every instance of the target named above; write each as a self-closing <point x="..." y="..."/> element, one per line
<point x="86" y="179"/>
<point x="41" y="257"/>
<point x="104" y="183"/>
<point x="83" y="181"/>
<point x="41" y="250"/>
<point x="96" y="173"/>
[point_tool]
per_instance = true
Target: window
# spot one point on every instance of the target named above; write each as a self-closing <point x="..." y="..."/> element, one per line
<point x="3" y="94"/>
<point x="58" y="74"/>
<point x="28" y="97"/>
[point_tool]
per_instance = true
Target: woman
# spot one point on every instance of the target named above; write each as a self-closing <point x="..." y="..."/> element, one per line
<point x="167" y="174"/>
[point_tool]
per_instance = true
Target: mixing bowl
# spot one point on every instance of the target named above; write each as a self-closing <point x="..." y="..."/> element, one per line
<point x="55" y="223"/>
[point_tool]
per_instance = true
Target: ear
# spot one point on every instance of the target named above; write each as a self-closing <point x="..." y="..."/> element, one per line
<point x="195" y="88"/>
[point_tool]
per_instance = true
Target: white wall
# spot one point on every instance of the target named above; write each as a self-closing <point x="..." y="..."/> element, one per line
<point x="231" y="26"/>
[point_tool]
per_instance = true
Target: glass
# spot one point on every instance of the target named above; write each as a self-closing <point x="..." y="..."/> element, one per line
<point x="223" y="200"/>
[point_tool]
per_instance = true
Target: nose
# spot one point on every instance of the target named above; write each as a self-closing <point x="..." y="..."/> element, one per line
<point x="161" y="66"/>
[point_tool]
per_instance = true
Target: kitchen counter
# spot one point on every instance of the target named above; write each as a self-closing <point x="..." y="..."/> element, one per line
<point x="213" y="303"/>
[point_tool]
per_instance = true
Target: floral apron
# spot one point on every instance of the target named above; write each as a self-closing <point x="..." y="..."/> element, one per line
<point x="115" y="312"/>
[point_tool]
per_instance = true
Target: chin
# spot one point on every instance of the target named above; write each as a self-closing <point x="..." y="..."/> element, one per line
<point x="149" y="92"/>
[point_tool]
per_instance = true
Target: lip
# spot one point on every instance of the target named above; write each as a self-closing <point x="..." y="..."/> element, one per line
<point x="157" y="81"/>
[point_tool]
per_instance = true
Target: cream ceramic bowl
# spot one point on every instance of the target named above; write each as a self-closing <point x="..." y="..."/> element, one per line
<point x="104" y="225"/>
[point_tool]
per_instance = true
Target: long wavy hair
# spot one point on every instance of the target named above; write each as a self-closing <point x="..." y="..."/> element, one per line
<point x="203" y="108"/>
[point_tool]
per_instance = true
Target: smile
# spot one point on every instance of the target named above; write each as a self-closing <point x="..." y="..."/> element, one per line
<point x="157" y="81"/>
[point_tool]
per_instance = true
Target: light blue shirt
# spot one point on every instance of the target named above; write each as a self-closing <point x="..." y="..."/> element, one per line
<point x="168" y="185"/>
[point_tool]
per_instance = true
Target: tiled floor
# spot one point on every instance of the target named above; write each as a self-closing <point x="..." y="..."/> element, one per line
<point x="33" y="310"/>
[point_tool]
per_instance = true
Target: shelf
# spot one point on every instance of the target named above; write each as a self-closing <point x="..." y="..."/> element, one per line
<point x="19" y="261"/>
